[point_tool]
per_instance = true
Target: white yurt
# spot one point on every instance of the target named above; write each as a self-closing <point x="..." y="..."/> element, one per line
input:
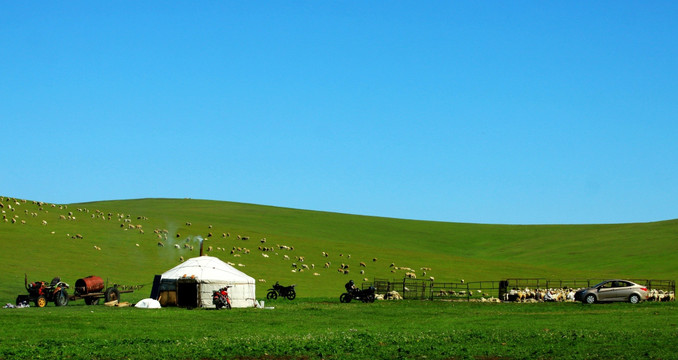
<point x="191" y="284"/>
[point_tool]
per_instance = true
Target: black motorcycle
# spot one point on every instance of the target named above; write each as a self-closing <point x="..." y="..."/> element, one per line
<point x="283" y="291"/>
<point x="221" y="299"/>
<point x="364" y="295"/>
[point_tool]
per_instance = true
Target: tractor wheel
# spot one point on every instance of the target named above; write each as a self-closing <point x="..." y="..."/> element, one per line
<point x="41" y="301"/>
<point x="272" y="295"/>
<point x="112" y="293"/>
<point x="90" y="300"/>
<point x="291" y="295"/>
<point x="345" y="298"/>
<point x="61" y="299"/>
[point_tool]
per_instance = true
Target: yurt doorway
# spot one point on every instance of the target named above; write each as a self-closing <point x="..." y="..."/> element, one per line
<point x="187" y="293"/>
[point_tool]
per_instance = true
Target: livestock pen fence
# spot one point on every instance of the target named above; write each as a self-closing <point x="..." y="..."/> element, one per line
<point x="427" y="289"/>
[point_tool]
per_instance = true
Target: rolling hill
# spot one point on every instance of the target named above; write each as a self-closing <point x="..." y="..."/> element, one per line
<point x="118" y="240"/>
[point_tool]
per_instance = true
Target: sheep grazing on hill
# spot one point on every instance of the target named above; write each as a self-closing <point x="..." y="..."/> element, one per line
<point x="374" y="259"/>
<point x="44" y="222"/>
<point x="181" y="258"/>
<point x="263" y="241"/>
<point x="177" y="246"/>
<point x="362" y="264"/>
<point x="325" y="254"/>
<point x="209" y="248"/>
<point x="188" y="223"/>
<point x="327" y="265"/>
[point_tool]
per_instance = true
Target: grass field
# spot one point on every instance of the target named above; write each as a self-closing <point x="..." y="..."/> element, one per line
<point x="323" y="328"/>
<point x="452" y="250"/>
<point x="47" y="240"/>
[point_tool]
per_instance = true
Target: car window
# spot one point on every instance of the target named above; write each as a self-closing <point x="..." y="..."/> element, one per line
<point x="607" y="285"/>
<point x="600" y="284"/>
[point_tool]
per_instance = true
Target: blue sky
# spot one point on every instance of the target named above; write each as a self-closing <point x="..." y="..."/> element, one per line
<point x="485" y="112"/>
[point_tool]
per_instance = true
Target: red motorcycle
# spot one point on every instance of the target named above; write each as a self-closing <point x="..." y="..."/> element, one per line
<point x="221" y="299"/>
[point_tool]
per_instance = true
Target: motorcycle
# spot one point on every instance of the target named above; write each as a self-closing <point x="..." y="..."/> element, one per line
<point x="364" y="295"/>
<point x="221" y="299"/>
<point x="279" y="290"/>
<point x="41" y="293"/>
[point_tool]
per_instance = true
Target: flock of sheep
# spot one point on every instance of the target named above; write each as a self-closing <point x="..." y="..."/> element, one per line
<point x="527" y="295"/>
<point x="179" y="242"/>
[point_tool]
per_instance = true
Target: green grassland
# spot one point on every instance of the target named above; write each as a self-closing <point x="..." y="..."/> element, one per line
<point x="452" y="250"/>
<point x="325" y="329"/>
<point x="47" y="240"/>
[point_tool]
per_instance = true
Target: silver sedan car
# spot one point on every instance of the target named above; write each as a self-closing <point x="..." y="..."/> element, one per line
<point x="612" y="290"/>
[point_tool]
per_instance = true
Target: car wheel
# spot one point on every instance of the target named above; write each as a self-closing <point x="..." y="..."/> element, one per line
<point x="590" y="299"/>
<point x="634" y="299"/>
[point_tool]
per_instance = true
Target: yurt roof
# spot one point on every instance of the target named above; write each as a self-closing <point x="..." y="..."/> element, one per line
<point x="207" y="268"/>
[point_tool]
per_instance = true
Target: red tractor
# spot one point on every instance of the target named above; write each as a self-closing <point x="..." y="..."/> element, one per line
<point x="41" y="293"/>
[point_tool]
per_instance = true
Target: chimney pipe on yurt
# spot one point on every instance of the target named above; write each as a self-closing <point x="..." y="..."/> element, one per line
<point x="201" y="251"/>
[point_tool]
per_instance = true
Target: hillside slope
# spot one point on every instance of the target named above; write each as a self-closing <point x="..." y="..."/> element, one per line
<point x="47" y="240"/>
